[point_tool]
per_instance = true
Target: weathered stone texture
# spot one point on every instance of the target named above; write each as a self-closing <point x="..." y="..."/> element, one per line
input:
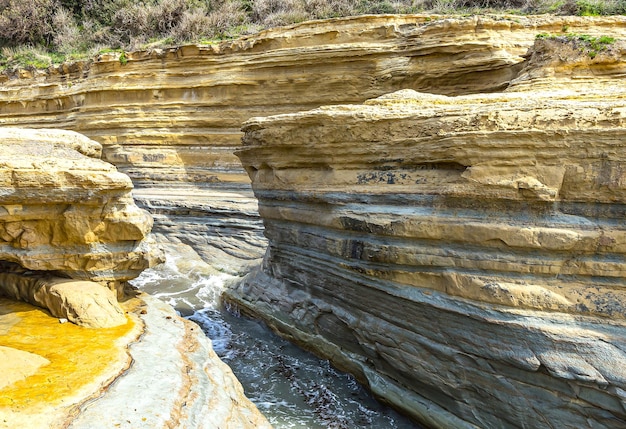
<point x="157" y="371"/>
<point x="63" y="210"/>
<point x="172" y="117"/>
<point x="464" y="256"/>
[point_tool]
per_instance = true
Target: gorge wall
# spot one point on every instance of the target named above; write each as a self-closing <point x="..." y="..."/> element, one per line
<point x="70" y="237"/>
<point x="464" y="256"/>
<point x="171" y="118"/>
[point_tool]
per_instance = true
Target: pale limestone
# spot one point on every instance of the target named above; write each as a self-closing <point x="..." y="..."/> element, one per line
<point x="176" y="381"/>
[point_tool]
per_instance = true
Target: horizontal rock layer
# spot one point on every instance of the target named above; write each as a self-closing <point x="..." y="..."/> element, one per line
<point x="64" y="210"/>
<point x="464" y="256"/>
<point x="173" y="116"/>
<point x="82" y="302"/>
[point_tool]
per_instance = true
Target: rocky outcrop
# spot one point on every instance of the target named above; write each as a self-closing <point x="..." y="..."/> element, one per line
<point x="64" y="210"/>
<point x="464" y="256"/>
<point x="156" y="371"/>
<point x="171" y="118"/>
<point x="67" y="221"/>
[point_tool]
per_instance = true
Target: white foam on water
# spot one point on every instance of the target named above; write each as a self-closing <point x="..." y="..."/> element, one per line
<point x="293" y="388"/>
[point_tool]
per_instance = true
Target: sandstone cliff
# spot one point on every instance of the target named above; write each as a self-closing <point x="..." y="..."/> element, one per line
<point x="464" y="256"/>
<point x="64" y="210"/>
<point x="171" y="118"/>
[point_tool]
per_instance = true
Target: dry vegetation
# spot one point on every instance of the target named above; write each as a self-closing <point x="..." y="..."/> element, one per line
<point x="37" y="33"/>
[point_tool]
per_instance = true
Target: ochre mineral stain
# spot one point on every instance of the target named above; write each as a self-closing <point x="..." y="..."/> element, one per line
<point x="77" y="355"/>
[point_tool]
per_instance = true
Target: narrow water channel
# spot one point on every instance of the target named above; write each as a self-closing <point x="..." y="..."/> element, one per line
<point x="293" y="388"/>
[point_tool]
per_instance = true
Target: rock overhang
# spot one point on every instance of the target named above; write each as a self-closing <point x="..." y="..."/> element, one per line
<point x="461" y="255"/>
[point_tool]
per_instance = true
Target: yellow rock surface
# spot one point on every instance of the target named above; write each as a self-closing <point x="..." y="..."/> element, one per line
<point x="80" y="362"/>
<point x="174" y="115"/>
<point x="92" y="378"/>
<point x="18" y="364"/>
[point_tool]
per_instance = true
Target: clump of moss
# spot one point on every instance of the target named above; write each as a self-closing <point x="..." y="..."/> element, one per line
<point x="591" y="45"/>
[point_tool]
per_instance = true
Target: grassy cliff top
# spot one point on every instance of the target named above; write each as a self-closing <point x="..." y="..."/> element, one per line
<point x="40" y="33"/>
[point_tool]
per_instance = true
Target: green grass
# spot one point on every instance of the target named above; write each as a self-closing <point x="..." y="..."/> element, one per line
<point x="591" y="45"/>
<point x="27" y="57"/>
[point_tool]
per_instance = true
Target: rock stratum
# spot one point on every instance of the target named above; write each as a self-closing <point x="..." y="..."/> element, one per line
<point x="171" y="118"/>
<point x="463" y="256"/>
<point x="64" y="210"/>
<point x="71" y="235"/>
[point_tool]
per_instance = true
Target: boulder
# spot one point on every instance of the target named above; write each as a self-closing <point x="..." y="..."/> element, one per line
<point x="79" y="301"/>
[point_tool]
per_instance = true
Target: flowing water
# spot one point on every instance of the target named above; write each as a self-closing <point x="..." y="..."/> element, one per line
<point x="293" y="388"/>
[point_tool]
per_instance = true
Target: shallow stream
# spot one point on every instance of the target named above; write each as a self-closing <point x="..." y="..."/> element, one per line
<point x="293" y="388"/>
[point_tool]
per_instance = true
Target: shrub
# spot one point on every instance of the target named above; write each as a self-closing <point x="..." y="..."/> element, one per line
<point x="272" y="13"/>
<point x="66" y="36"/>
<point x="330" y="8"/>
<point x="585" y="43"/>
<point x="193" y="25"/>
<point x="227" y="16"/>
<point x="26" y="21"/>
<point x="167" y="15"/>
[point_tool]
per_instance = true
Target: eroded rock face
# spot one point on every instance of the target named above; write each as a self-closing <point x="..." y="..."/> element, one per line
<point x="63" y="210"/>
<point x="171" y="118"/>
<point x="70" y="233"/>
<point x="463" y="256"/>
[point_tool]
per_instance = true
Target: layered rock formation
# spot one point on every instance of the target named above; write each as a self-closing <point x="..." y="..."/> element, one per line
<point x="156" y="371"/>
<point x="67" y="220"/>
<point x="463" y="256"/>
<point x="171" y="118"/>
<point x="64" y="210"/>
